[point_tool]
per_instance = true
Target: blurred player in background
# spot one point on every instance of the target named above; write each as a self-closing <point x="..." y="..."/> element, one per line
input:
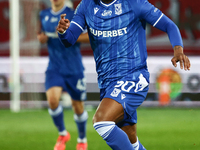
<point x="117" y="32"/>
<point x="65" y="72"/>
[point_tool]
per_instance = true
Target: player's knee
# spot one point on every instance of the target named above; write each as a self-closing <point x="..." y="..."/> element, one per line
<point x="104" y="128"/>
<point x="53" y="102"/>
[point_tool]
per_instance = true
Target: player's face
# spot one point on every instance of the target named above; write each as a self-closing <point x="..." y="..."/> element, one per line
<point x="57" y="2"/>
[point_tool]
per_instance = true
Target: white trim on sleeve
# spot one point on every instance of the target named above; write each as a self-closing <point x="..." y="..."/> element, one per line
<point x="77" y="25"/>
<point x="157" y="20"/>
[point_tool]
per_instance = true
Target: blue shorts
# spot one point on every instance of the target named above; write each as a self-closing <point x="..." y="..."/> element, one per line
<point x="130" y="94"/>
<point x="75" y="85"/>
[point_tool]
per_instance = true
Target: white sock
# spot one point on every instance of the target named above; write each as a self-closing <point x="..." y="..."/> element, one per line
<point x="63" y="133"/>
<point x="136" y="145"/>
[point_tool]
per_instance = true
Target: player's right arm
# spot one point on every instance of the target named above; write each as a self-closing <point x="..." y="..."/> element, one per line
<point x="63" y="24"/>
<point x="69" y="32"/>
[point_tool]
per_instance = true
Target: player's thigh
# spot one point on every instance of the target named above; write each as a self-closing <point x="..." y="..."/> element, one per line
<point x="109" y="110"/>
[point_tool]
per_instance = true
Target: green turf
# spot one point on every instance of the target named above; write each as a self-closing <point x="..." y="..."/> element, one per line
<point x="158" y="129"/>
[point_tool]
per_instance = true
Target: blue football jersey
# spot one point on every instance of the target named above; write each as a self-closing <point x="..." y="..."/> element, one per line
<point x="117" y="36"/>
<point x="66" y="61"/>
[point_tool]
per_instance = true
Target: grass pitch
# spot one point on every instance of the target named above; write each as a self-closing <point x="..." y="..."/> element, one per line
<point x="158" y="129"/>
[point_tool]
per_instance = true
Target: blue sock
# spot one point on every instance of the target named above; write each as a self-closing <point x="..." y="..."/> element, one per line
<point x="116" y="138"/>
<point x="138" y="146"/>
<point x="57" y="116"/>
<point x="81" y="122"/>
<point x="141" y="147"/>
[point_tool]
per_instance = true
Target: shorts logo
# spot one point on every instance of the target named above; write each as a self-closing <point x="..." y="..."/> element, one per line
<point x="123" y="96"/>
<point x="118" y="9"/>
<point x="115" y="92"/>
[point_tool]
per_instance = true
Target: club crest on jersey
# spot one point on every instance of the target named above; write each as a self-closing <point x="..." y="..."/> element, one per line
<point x="115" y="92"/>
<point x="95" y="10"/>
<point x="118" y="9"/>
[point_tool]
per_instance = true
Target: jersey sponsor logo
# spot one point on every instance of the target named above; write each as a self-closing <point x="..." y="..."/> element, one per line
<point x="96" y="10"/>
<point x="118" y="9"/>
<point x="107" y="13"/>
<point x="112" y="33"/>
<point x="123" y="96"/>
<point x="115" y="92"/>
<point x="54" y="19"/>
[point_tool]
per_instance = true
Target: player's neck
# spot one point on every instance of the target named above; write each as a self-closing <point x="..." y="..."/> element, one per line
<point x="106" y="1"/>
<point x="56" y="8"/>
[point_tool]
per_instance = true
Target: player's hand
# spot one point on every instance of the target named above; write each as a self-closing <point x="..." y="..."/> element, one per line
<point x="42" y="37"/>
<point x="63" y="24"/>
<point x="180" y="57"/>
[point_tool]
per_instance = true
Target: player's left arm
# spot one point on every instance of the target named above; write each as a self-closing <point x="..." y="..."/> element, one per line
<point x="167" y="25"/>
<point x="180" y="57"/>
<point x="156" y="18"/>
